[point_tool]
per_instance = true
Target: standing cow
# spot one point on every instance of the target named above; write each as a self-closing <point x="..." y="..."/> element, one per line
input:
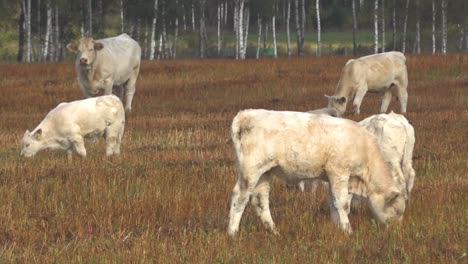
<point x="378" y="73"/>
<point x="106" y="64"/>
<point x="67" y="125"/>
<point x="296" y="146"/>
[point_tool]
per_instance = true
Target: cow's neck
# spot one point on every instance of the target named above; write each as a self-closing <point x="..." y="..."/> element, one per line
<point x="89" y="72"/>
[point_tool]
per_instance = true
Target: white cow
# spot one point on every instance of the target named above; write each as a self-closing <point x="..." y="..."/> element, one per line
<point x="66" y="126"/>
<point x="107" y="63"/>
<point x="331" y="111"/>
<point x="395" y="136"/>
<point x="378" y="73"/>
<point x="296" y="146"/>
<point x="396" y="139"/>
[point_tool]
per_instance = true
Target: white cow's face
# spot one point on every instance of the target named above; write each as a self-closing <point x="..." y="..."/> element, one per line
<point x="31" y="143"/>
<point x="86" y="48"/>
<point x="339" y="103"/>
<point x="390" y="208"/>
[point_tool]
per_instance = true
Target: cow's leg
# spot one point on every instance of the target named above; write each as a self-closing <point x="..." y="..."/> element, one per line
<point x="387" y="97"/>
<point x="114" y="134"/>
<point x="339" y="201"/>
<point x="358" y="99"/>
<point x="108" y="85"/>
<point x="78" y="145"/>
<point x="246" y="182"/>
<point x="130" y="89"/>
<point x="260" y="200"/>
<point x="402" y="93"/>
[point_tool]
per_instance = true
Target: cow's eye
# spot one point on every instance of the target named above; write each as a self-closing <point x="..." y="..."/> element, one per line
<point x="91" y="50"/>
<point x="27" y="145"/>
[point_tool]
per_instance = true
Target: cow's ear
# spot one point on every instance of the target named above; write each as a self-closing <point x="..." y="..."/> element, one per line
<point x="98" y="46"/>
<point x="38" y="134"/>
<point x="27" y="132"/>
<point x="72" y="47"/>
<point x="341" y="100"/>
<point x="327" y="96"/>
<point x="391" y="198"/>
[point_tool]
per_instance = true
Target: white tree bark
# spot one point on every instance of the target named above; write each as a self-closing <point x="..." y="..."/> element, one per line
<point x="259" y="35"/>
<point x="288" y="31"/>
<point x="122" y="24"/>
<point x="145" y="50"/>
<point x="303" y="23"/>
<point x="184" y="20"/>
<point x="418" y="29"/>
<point x="298" y="28"/>
<point x="246" y="29"/>
<point x="319" y="29"/>
<point x="39" y="33"/>
<point x="176" y="36"/>
<point x="394" y="25"/>
<point x="48" y="30"/>
<point x="444" y="27"/>
<point x="218" y="35"/>
<point x="163" y="54"/>
<point x="353" y="4"/>
<point x="90" y="18"/>
<point x="433" y="27"/>
<point x="28" y="31"/>
<point x="405" y="23"/>
<point x="202" y="31"/>
<point x="240" y="29"/>
<point x="376" y="26"/>
<point x="153" y="30"/>
<point x="383" y="25"/>
<point x="225" y="12"/>
<point x="273" y="31"/>
<point x="58" y="46"/>
<point x="193" y="16"/>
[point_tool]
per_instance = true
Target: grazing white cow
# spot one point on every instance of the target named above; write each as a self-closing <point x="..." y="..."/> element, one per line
<point x="395" y="136"/>
<point x="107" y="63"/>
<point x="296" y="146"/>
<point x="66" y="126"/>
<point x="396" y="139"/>
<point x="378" y="73"/>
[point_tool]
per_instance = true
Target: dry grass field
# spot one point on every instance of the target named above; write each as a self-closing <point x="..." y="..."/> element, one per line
<point x="166" y="198"/>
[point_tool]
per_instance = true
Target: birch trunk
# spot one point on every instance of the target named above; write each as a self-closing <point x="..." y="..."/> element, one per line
<point x="246" y="29"/>
<point x="259" y="35"/>
<point x="376" y="26"/>
<point x="319" y="40"/>
<point x="176" y="35"/>
<point x="236" y="27"/>
<point x="303" y="22"/>
<point x="153" y="30"/>
<point x="39" y="33"/>
<point x="122" y="24"/>
<point x="394" y="25"/>
<point x="273" y="31"/>
<point x="145" y="50"/>
<point x="405" y="24"/>
<point x="240" y="29"/>
<point x="433" y="27"/>
<point x="202" y="30"/>
<point x="383" y="25"/>
<point x="193" y="16"/>
<point x="226" y="13"/>
<point x="184" y="19"/>
<point x="48" y="30"/>
<point x="298" y="28"/>
<point x="288" y="31"/>
<point x="21" y="26"/>
<point x="58" y="46"/>
<point x="28" y="32"/>
<point x="418" y="29"/>
<point x="444" y="27"/>
<point x="218" y="35"/>
<point x="353" y="3"/>
<point x="83" y="17"/>
<point x="163" y="53"/>
<point x="90" y="18"/>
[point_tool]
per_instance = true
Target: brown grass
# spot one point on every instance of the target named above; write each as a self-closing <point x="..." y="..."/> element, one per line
<point x="166" y="198"/>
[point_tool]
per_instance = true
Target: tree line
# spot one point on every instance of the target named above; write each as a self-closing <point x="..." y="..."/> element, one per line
<point x="212" y="27"/>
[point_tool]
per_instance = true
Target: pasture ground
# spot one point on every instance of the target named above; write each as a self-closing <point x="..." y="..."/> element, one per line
<point x="166" y="198"/>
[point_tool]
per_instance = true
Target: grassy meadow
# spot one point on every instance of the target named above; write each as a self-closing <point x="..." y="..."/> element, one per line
<point x="165" y="199"/>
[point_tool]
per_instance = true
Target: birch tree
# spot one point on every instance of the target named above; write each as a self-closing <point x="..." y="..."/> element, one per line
<point x="39" y="33"/>
<point x="298" y="28"/>
<point x="21" y="27"/>
<point x="418" y="29"/>
<point x="90" y="18"/>
<point x="353" y="4"/>
<point x="273" y="31"/>
<point x="383" y="25"/>
<point x="176" y="33"/>
<point x="376" y="26"/>
<point x="319" y="29"/>
<point x="57" y="53"/>
<point x="405" y="23"/>
<point x="202" y="30"/>
<point x="288" y="22"/>
<point x="48" y="30"/>
<point x="218" y="20"/>
<point x="27" y="16"/>
<point x="433" y="27"/>
<point x="394" y="25"/>
<point x="153" y="30"/>
<point x="122" y="24"/>
<point x="444" y="26"/>
<point x="259" y="35"/>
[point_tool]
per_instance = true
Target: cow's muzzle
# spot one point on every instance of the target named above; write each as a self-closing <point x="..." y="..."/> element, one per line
<point x="83" y="61"/>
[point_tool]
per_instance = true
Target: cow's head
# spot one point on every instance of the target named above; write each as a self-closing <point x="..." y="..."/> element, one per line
<point x="388" y="207"/>
<point x="86" y="48"/>
<point x="337" y="102"/>
<point x="31" y="143"/>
